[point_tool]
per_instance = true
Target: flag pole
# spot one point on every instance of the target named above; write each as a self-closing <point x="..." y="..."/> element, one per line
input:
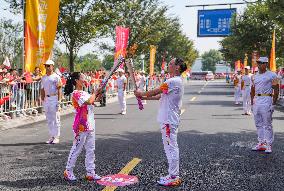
<point x="24" y="33"/>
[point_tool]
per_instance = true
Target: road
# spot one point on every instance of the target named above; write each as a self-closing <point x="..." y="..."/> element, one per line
<point x="214" y="140"/>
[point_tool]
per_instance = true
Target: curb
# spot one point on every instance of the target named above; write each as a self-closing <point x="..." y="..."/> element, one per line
<point x="32" y="119"/>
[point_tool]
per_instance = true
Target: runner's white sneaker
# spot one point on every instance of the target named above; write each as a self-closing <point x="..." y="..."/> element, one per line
<point x="268" y="149"/>
<point x="170" y="181"/>
<point x="55" y="141"/>
<point x="259" y="147"/>
<point x="91" y="176"/>
<point x="69" y="175"/>
<point x="50" y="140"/>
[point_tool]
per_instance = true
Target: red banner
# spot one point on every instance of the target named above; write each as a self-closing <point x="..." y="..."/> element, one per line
<point x="121" y="41"/>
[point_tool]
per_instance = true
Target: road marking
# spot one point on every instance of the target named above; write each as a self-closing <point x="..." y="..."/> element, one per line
<point x="182" y="111"/>
<point x="192" y="99"/>
<point x="126" y="170"/>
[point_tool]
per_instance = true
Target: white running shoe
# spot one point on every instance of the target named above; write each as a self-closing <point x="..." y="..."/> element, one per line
<point x="50" y="140"/>
<point x="91" y="176"/>
<point x="268" y="149"/>
<point x="259" y="147"/>
<point x="123" y="113"/>
<point x="170" y="181"/>
<point x="69" y="175"/>
<point x="55" y="141"/>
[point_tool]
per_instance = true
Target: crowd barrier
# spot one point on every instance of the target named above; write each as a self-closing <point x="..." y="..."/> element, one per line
<point x="22" y="99"/>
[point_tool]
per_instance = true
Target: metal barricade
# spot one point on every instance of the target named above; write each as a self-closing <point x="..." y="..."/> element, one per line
<point x="22" y="99"/>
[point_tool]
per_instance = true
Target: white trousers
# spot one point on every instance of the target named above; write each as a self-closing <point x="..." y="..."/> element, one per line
<point x="246" y="100"/>
<point x="263" y="122"/>
<point x="87" y="140"/>
<point x="238" y="93"/>
<point x="52" y="115"/>
<point x="169" y="136"/>
<point x="122" y="100"/>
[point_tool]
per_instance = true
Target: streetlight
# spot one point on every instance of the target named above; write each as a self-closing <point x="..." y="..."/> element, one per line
<point x="142" y="58"/>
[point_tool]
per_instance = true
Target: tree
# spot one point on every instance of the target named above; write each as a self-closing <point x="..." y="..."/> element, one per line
<point x="210" y="59"/>
<point x="11" y="42"/>
<point x="88" y="62"/>
<point x="108" y="61"/>
<point x="80" y="22"/>
<point x="252" y="31"/>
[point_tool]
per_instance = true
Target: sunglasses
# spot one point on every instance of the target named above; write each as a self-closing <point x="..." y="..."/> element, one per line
<point x="47" y="66"/>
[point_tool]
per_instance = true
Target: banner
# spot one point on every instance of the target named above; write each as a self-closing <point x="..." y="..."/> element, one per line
<point x="237" y="65"/>
<point x="246" y="60"/>
<point x="152" y="58"/>
<point x="121" y="42"/>
<point x="40" y="29"/>
<point x="272" y="61"/>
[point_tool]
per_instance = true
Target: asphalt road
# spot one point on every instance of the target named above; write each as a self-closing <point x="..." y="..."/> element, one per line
<point x="214" y="140"/>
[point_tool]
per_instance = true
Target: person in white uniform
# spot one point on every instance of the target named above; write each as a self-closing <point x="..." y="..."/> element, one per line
<point x="83" y="126"/>
<point x="142" y="84"/>
<point x="170" y="94"/>
<point x="237" y="84"/>
<point x="246" y="87"/>
<point x="265" y="89"/>
<point x="121" y="90"/>
<point x="51" y="93"/>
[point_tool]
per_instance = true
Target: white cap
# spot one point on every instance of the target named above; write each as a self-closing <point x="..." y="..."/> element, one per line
<point x="49" y="62"/>
<point x="247" y="67"/>
<point x="120" y="70"/>
<point x="263" y="59"/>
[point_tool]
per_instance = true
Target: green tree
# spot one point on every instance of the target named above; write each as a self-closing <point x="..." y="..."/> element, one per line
<point x="80" y="22"/>
<point x="108" y="61"/>
<point x="210" y="59"/>
<point x="88" y="62"/>
<point x="252" y="31"/>
<point x="11" y="42"/>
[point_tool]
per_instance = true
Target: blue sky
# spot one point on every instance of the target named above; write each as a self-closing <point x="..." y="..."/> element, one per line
<point x="188" y="19"/>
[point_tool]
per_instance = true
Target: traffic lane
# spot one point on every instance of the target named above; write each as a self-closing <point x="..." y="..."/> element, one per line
<point x="208" y="162"/>
<point x="24" y="145"/>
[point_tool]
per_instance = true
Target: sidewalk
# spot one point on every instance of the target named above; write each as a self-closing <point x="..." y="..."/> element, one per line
<point x="30" y="119"/>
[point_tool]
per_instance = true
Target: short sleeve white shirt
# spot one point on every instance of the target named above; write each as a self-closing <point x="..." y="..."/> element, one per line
<point x="171" y="101"/>
<point x="51" y="83"/>
<point x="121" y="81"/>
<point x="263" y="85"/>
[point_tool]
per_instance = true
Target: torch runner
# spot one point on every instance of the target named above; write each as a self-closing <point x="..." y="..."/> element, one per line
<point x="130" y="68"/>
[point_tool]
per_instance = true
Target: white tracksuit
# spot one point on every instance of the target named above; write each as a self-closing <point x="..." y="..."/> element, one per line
<point x="52" y="116"/>
<point x="142" y="85"/>
<point x="238" y="90"/>
<point x="246" y="93"/>
<point x="120" y="93"/>
<point x="84" y="130"/>
<point x="169" y="119"/>
<point x="50" y="85"/>
<point x="262" y="108"/>
<point x="86" y="140"/>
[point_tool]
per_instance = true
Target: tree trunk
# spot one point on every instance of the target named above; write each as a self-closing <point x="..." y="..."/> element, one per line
<point x="71" y="60"/>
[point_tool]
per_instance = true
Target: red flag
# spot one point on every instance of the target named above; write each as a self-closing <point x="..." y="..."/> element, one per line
<point x="121" y="41"/>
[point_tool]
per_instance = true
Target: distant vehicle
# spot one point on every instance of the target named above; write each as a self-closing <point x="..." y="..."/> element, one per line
<point x="203" y="75"/>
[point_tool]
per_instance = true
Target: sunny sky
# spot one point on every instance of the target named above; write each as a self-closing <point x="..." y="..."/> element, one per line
<point x="188" y="19"/>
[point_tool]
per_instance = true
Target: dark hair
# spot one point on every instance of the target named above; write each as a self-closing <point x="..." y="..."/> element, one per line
<point x="182" y="64"/>
<point x="71" y="82"/>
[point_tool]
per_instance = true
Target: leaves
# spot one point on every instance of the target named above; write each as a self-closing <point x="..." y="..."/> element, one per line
<point x="210" y="59"/>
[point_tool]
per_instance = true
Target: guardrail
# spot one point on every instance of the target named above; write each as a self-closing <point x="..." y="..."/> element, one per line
<point x="22" y="99"/>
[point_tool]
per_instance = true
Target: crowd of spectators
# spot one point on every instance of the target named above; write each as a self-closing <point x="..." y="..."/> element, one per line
<point x="23" y="88"/>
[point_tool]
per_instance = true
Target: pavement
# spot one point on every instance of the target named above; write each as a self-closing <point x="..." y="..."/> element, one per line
<point x="215" y="143"/>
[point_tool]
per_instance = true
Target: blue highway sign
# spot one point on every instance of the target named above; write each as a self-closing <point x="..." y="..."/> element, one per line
<point x="214" y="23"/>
